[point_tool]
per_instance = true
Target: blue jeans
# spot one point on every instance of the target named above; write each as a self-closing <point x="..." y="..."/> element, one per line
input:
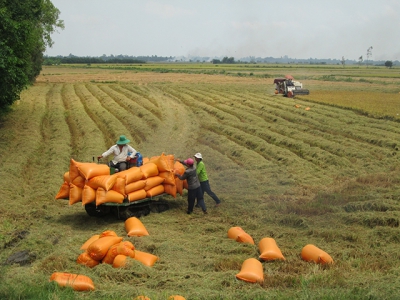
<point x="192" y="195"/>
<point x="205" y="187"/>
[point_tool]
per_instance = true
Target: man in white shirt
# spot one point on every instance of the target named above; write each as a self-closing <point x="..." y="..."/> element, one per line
<point x="123" y="153"/>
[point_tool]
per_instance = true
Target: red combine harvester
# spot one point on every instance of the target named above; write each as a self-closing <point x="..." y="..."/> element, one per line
<point x="289" y="87"/>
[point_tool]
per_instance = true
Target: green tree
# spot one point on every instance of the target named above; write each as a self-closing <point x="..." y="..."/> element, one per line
<point x="388" y="63"/>
<point x="25" y="32"/>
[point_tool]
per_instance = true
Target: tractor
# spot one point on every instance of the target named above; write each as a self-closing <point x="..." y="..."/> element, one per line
<point x="289" y="87"/>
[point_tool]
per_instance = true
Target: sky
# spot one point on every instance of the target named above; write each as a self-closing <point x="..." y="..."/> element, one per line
<point x="300" y="29"/>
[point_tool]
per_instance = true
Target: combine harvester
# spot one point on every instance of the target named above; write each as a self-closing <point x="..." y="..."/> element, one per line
<point x="288" y="87"/>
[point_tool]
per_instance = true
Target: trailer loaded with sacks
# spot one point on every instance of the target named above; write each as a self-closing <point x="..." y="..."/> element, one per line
<point x="134" y="192"/>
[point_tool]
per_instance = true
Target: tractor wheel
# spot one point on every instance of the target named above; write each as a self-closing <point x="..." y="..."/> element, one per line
<point x="96" y="211"/>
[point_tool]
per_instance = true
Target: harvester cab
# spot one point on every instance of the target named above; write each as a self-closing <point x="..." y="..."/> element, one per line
<point x="289" y="87"/>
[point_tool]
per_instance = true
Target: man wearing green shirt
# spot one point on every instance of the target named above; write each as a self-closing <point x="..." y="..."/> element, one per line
<point x="203" y="178"/>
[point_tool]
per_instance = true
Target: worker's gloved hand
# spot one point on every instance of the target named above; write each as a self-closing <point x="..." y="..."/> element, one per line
<point x="128" y="158"/>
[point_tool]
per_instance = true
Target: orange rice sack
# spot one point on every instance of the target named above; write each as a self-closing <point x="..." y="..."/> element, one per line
<point x="85" y="259"/>
<point x="170" y="190"/>
<point x="108" y="233"/>
<point x="146" y="160"/>
<point x="134" y="227"/>
<point x="110" y="255"/>
<point x="79" y="181"/>
<point x="103" y="196"/>
<point x="98" y="249"/>
<point x="135" y="186"/>
<point x="147" y="259"/>
<point x="75" y="281"/>
<point x="86" y="244"/>
<point x="75" y="194"/>
<point x="66" y="177"/>
<point x="179" y="167"/>
<point x="313" y="253"/>
<point x="90" y="170"/>
<point x="63" y="192"/>
<point x="269" y="250"/>
<point x="104" y="181"/>
<point x="119" y="261"/>
<point x="171" y="161"/>
<point x="168" y="176"/>
<point x="126" y="248"/>
<point x="73" y="169"/>
<point x="251" y="271"/>
<point x="239" y="235"/>
<point x="137" y="195"/>
<point x="119" y="186"/>
<point x="162" y="163"/>
<point x="152" y="182"/>
<point x="155" y="191"/>
<point x="149" y="170"/>
<point x="131" y="175"/>
<point x="88" y="195"/>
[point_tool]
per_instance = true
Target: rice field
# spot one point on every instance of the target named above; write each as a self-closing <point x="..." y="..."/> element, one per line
<point x="321" y="169"/>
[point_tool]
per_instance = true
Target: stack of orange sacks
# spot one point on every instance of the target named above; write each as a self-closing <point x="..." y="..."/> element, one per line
<point x="109" y="248"/>
<point x="91" y="182"/>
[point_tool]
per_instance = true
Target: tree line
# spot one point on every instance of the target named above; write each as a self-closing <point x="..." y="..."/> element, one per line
<point x="111" y="59"/>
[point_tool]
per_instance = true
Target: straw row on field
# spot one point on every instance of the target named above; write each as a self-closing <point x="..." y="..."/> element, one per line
<point x="260" y="122"/>
<point x="122" y="110"/>
<point x="338" y="121"/>
<point x="134" y="107"/>
<point x="82" y="127"/>
<point x="293" y="138"/>
<point x="103" y="119"/>
<point x="142" y="95"/>
<point x="142" y="99"/>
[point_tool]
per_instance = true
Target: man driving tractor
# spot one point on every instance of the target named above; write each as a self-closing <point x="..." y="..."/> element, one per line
<point x="124" y="154"/>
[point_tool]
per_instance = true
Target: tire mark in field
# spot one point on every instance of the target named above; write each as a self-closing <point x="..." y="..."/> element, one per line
<point x="71" y="125"/>
<point x="118" y="111"/>
<point x="146" y="102"/>
<point x="188" y="120"/>
<point x="150" y="116"/>
<point x="82" y="128"/>
<point x="143" y="102"/>
<point x="179" y="123"/>
<point x="94" y="114"/>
